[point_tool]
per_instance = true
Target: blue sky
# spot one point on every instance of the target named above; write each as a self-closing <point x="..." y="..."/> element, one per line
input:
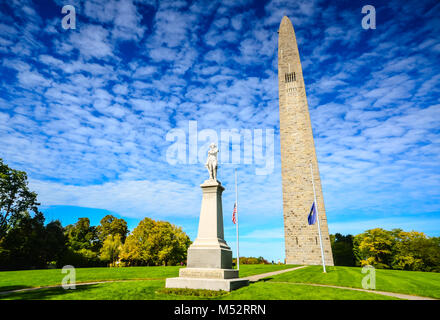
<point x="86" y="112"/>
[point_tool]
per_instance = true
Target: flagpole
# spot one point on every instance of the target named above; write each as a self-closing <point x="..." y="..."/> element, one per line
<point x="236" y="218"/>
<point x="317" y="217"/>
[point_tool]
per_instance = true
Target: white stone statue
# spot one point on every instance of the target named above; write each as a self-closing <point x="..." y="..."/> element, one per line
<point x="211" y="162"/>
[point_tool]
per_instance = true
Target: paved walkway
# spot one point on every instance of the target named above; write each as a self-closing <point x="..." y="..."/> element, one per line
<point x="257" y="277"/>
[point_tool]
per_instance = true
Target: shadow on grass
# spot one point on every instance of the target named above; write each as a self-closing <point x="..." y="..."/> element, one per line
<point x="330" y="269"/>
<point x="262" y="280"/>
<point x="9" y="288"/>
<point x="46" y="293"/>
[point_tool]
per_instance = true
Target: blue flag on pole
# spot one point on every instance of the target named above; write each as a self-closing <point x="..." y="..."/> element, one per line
<point x="312" y="215"/>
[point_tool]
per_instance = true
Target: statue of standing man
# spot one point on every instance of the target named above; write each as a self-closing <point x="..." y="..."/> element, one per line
<point x="211" y="162"/>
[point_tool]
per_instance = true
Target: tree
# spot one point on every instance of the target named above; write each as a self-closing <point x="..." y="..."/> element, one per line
<point x="342" y="248"/>
<point x="111" y="225"/>
<point x="250" y="260"/>
<point x="111" y="248"/>
<point x="155" y="243"/>
<point x="55" y="242"/>
<point x="82" y="235"/>
<point x="23" y="246"/>
<point x="15" y="197"/>
<point x="431" y="254"/>
<point x="83" y="245"/>
<point x="397" y="249"/>
<point x="374" y="247"/>
<point x="415" y="251"/>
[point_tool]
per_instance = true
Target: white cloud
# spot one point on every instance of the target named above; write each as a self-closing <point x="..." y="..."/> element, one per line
<point x="31" y="79"/>
<point x="122" y="15"/>
<point x="92" y="41"/>
<point x="128" y="198"/>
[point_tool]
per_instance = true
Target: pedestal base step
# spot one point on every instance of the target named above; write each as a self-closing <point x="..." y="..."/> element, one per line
<point x="207" y="284"/>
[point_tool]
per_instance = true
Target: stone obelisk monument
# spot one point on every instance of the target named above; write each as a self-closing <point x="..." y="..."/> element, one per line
<point x="297" y="152"/>
<point x="209" y="257"/>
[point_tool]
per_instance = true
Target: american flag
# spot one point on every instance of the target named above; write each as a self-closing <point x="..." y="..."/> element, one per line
<point x="234" y="219"/>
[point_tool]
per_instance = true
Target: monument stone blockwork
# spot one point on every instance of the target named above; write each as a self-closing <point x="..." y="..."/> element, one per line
<point x="297" y="152"/>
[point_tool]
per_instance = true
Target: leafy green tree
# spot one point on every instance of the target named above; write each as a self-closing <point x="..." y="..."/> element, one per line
<point x="82" y="235"/>
<point x="374" y="247"/>
<point x="135" y="250"/>
<point x="81" y="258"/>
<point x="431" y="254"/>
<point x="111" y="225"/>
<point x="15" y="197"/>
<point x="54" y="242"/>
<point x="111" y="248"/>
<point x="397" y="249"/>
<point x="23" y="246"/>
<point x="415" y="251"/>
<point x="83" y="245"/>
<point x="342" y="248"/>
<point x="250" y="260"/>
<point x="155" y="243"/>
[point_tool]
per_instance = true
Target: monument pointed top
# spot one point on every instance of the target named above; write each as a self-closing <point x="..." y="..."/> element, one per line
<point x="285" y="19"/>
<point x="285" y="25"/>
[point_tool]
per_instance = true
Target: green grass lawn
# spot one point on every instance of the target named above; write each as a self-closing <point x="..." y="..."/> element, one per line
<point x="409" y="282"/>
<point x="147" y="290"/>
<point x="146" y="282"/>
<point x="10" y="280"/>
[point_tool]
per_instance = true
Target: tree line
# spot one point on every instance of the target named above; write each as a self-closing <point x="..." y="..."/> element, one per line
<point x="27" y="242"/>
<point x="250" y="260"/>
<point x="383" y="249"/>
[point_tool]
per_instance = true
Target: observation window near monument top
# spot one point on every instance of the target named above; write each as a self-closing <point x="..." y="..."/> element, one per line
<point x="290" y="77"/>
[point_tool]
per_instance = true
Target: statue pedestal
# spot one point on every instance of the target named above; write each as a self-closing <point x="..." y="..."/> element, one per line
<point x="209" y="257"/>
